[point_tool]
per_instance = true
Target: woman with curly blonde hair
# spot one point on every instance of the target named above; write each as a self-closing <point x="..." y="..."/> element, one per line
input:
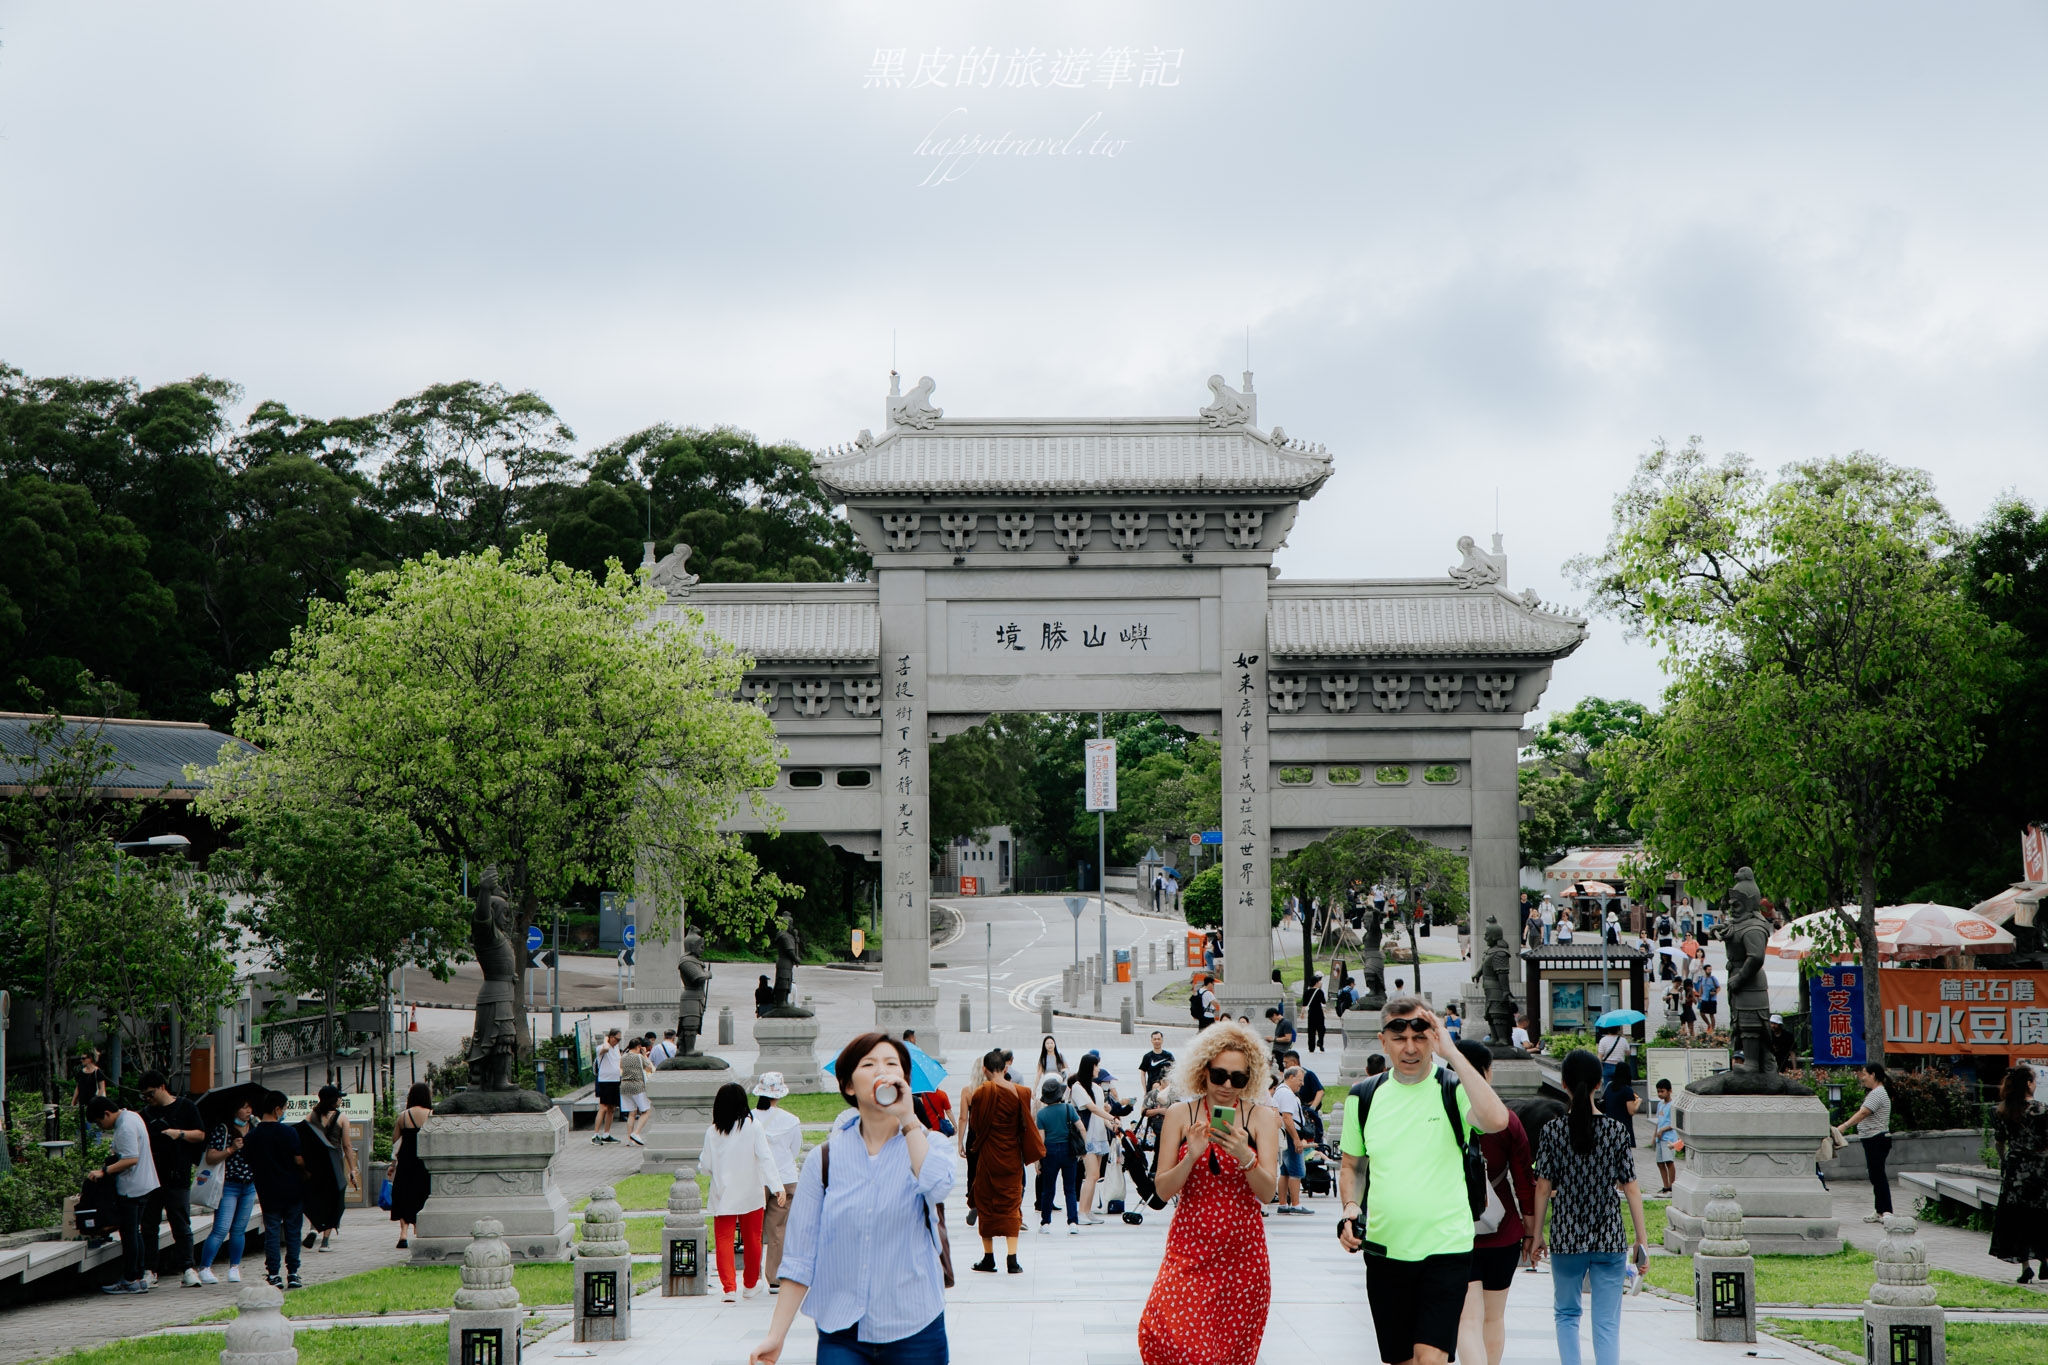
<point x="1219" y="1152"/>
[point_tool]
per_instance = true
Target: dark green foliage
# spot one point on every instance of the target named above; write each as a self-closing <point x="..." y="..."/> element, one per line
<point x="1201" y="900"/>
<point x="837" y="888"/>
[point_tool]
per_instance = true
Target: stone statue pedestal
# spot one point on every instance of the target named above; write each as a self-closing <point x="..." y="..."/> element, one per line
<point x="916" y="1007"/>
<point x="1763" y="1145"/>
<point x="1361" y="1030"/>
<point x="1516" y="1075"/>
<point x="790" y="1045"/>
<point x="681" y="1105"/>
<point x="494" y="1166"/>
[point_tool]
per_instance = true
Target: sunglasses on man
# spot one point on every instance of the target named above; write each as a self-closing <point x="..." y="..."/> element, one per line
<point x="1397" y="1027"/>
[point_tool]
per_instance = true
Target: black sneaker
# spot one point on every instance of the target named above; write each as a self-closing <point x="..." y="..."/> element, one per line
<point x="273" y="1281"/>
<point x="295" y="1283"/>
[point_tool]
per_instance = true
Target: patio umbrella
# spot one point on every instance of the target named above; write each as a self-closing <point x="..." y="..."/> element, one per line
<point x="1905" y="932"/>
<point x="926" y="1075"/>
<point x="1619" y="1019"/>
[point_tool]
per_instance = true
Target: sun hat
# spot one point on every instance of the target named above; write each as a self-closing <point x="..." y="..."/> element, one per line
<point x="771" y="1084"/>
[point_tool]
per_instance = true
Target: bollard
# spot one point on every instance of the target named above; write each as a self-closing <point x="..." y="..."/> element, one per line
<point x="483" y="1329"/>
<point x="1724" y="1274"/>
<point x="1152" y="958"/>
<point x="966" y="1019"/>
<point x="262" y="1335"/>
<point x="1138" y="996"/>
<point x="603" y="1286"/>
<point x="725" y="1025"/>
<point x="1901" y="1323"/>
<point x="682" y="1235"/>
<point x="1097" y="982"/>
<point x="1124" y="1017"/>
<point x="1045" y="1015"/>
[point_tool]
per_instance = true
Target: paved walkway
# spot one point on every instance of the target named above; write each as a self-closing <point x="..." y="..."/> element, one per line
<point x="1079" y="1300"/>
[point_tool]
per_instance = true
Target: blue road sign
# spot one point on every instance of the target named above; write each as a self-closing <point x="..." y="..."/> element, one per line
<point x="628" y="936"/>
<point x="533" y="938"/>
<point x="1212" y="836"/>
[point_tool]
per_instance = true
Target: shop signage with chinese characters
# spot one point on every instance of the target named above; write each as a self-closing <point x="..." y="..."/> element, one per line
<point x="1837" y="998"/>
<point x="1963" y="1012"/>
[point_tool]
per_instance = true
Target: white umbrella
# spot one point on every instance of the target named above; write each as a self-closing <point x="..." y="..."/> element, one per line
<point x="1905" y="931"/>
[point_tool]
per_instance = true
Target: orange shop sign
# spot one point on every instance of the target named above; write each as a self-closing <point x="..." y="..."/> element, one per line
<point x="1957" y="1012"/>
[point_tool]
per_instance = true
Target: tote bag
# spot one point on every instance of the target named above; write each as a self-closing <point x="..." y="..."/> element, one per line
<point x="206" y="1185"/>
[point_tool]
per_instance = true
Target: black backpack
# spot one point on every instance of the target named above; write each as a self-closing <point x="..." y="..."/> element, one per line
<point x="1195" y="1007"/>
<point x="1475" y="1160"/>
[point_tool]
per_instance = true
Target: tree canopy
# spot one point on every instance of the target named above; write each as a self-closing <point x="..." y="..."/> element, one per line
<point x="156" y="543"/>
<point x="1827" y="672"/>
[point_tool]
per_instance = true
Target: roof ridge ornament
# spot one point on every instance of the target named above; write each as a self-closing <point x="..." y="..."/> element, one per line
<point x="1232" y="408"/>
<point x="672" y="573"/>
<point x="1479" y="568"/>
<point x="914" y="411"/>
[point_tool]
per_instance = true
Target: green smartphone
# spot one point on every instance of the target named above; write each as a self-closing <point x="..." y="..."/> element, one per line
<point x="1222" y="1116"/>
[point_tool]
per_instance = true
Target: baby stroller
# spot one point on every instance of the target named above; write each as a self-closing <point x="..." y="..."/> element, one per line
<point x="1317" y="1164"/>
<point x="1138" y="1170"/>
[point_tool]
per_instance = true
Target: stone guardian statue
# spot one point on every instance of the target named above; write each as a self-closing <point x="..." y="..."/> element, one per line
<point x="789" y="950"/>
<point x="696" y="975"/>
<point x="1496" y="968"/>
<point x="1749" y="1000"/>
<point x="494" y="1037"/>
<point x="1372" y="961"/>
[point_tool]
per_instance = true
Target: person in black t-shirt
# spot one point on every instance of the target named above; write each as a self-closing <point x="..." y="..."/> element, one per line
<point x="272" y="1151"/>
<point x="1157" y="1061"/>
<point x="176" y="1137"/>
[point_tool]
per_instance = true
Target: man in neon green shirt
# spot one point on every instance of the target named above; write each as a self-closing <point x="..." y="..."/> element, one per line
<point x="1418" y="1231"/>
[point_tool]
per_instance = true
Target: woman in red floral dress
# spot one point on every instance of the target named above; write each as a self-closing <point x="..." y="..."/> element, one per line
<point x="1208" y="1304"/>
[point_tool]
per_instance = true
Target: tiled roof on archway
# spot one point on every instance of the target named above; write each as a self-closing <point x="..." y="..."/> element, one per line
<point x="1373" y="621"/>
<point x="1131" y="456"/>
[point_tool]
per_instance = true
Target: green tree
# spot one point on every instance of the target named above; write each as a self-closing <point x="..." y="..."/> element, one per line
<point x="340" y="897"/>
<point x="1826" y="672"/>
<point x="524" y="715"/>
<point x="58" y="833"/>
<point x="980" y="778"/>
<point x="458" y="464"/>
<point x="1568" y="746"/>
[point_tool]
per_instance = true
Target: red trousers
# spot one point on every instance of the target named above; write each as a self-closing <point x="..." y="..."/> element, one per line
<point x="749" y="1225"/>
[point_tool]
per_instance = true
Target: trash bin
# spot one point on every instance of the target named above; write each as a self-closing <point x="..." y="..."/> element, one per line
<point x="1123" y="964"/>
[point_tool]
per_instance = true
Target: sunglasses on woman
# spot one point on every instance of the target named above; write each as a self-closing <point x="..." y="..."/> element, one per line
<point x="1397" y="1027"/>
<point x="1236" y="1080"/>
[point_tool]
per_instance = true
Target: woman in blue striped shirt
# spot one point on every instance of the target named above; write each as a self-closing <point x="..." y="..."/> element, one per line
<point x="862" y="1252"/>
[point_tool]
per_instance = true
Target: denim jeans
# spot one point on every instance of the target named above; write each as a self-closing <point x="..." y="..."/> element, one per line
<point x="1058" y="1164"/>
<point x="1567" y="1270"/>
<point x="926" y="1346"/>
<point x="281" y="1229"/>
<point x="237" y="1200"/>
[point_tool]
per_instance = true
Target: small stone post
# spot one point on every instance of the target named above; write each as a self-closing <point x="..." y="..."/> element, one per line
<point x="966" y="1016"/>
<point x="1123" y="1023"/>
<point x="1902" y="1325"/>
<point x="683" y="1270"/>
<point x="484" y="1328"/>
<point x="1045" y="1015"/>
<point x="1724" y="1274"/>
<point x="1138" y="997"/>
<point x="1097" y="980"/>
<point x="262" y="1335"/>
<point x="1152" y="958"/>
<point x="604" y="1271"/>
<point x="725" y="1033"/>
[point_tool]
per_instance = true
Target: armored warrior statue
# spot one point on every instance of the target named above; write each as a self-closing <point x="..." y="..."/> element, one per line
<point x="1372" y="961"/>
<point x="1749" y="1000"/>
<point x="494" y="1041"/>
<point x="1495" y="969"/>
<point x="789" y="950"/>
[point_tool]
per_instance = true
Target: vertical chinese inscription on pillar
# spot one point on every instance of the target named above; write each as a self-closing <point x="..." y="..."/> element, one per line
<point x="1246" y="837"/>
<point x="907" y="771"/>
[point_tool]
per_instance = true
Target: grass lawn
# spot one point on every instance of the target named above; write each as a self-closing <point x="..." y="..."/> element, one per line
<point x="822" y="1107"/>
<point x="1969" y="1343"/>
<point x="427" y="1289"/>
<point x="410" y="1344"/>
<point x="1844" y="1278"/>
<point x="643" y="1192"/>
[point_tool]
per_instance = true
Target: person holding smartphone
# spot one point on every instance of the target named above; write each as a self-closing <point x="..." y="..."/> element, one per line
<point x="1220" y="1153"/>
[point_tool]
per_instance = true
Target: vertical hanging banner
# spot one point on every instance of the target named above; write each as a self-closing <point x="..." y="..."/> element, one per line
<point x="1100" y="767"/>
<point x="1837" y="999"/>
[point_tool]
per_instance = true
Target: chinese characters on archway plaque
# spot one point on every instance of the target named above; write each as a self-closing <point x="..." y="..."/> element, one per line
<point x="1243" y="815"/>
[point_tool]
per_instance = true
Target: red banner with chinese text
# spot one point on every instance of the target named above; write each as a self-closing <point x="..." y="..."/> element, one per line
<point x="1958" y="1012"/>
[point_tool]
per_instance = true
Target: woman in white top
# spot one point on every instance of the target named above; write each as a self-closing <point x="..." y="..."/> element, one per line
<point x="1084" y="1092"/>
<point x="1050" y="1063"/>
<point x="1873" y="1120"/>
<point x="743" y="1170"/>
<point x="786" y="1139"/>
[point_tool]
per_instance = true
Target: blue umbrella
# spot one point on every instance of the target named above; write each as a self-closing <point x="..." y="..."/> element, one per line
<point x="926" y="1075"/>
<point x="1619" y="1019"/>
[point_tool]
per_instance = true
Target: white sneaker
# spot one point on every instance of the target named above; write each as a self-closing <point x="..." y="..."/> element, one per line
<point x="234" y="1274"/>
<point x="1073" y="1229"/>
<point x="1045" y="1229"/>
<point x="208" y="1277"/>
<point x="754" y="1292"/>
<point x="192" y="1279"/>
<point x="152" y="1278"/>
<point x="731" y="1297"/>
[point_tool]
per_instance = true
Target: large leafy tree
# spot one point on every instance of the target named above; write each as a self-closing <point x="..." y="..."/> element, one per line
<point x="1827" y="672"/>
<point x="981" y="777"/>
<point x="523" y="715"/>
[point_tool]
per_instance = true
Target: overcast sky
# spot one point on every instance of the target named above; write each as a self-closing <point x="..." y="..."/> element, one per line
<point x="1482" y="249"/>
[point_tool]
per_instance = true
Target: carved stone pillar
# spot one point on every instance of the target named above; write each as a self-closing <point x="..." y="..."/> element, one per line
<point x="497" y="1166"/>
<point x="1247" y="815"/>
<point x="906" y="997"/>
